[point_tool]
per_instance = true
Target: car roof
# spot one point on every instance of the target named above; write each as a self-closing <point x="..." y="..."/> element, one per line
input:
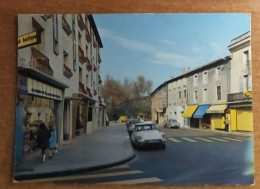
<point x="145" y="123"/>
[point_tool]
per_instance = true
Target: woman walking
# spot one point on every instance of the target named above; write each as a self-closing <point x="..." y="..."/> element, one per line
<point x="52" y="140"/>
<point x="43" y="140"/>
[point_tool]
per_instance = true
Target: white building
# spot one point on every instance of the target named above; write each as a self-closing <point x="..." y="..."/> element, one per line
<point x="59" y="75"/>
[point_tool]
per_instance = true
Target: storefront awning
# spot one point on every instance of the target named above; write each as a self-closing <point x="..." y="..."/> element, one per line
<point x="189" y="111"/>
<point x="217" y="109"/>
<point x="201" y="111"/>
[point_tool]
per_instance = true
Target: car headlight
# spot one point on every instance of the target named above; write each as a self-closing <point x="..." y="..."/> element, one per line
<point x="139" y="138"/>
<point x="164" y="136"/>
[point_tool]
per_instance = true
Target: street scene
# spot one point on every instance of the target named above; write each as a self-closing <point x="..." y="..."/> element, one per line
<point x="134" y="99"/>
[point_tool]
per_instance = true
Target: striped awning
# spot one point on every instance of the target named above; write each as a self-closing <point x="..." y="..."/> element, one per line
<point x="189" y="111"/>
<point x="217" y="109"/>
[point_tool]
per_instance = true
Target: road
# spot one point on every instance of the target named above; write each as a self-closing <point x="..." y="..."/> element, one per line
<point x="191" y="157"/>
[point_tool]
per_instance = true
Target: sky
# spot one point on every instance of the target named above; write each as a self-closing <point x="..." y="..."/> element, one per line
<point x="160" y="46"/>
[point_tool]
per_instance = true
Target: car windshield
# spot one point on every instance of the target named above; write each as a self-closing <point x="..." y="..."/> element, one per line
<point x="146" y="127"/>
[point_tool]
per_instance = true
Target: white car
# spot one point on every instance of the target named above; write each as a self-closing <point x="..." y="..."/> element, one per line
<point x="146" y="134"/>
<point x="172" y="123"/>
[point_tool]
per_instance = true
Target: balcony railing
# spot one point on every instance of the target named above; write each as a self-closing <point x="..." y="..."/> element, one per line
<point x="99" y="79"/>
<point x="247" y="68"/>
<point x="88" y="37"/>
<point x="88" y="65"/>
<point x="82" y="58"/>
<point x="82" y="88"/>
<point x="94" y="43"/>
<point x="89" y="92"/>
<point x="66" y="26"/>
<point x="95" y="68"/>
<point x="41" y="62"/>
<point x="46" y="16"/>
<point x="67" y="71"/>
<point x="235" y="97"/>
<point x="81" y="22"/>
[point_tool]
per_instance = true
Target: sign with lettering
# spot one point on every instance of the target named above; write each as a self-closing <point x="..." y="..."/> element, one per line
<point x="29" y="39"/>
<point x="41" y="89"/>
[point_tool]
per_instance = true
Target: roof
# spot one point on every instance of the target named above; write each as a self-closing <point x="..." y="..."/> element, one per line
<point x="94" y="27"/>
<point x="198" y="69"/>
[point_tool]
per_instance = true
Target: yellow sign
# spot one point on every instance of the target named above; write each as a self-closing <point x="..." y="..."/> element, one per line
<point x="28" y="39"/>
<point x="247" y="93"/>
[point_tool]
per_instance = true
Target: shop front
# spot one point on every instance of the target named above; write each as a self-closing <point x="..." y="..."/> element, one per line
<point x="217" y="116"/>
<point x="241" y="118"/>
<point x="37" y="102"/>
<point x="203" y="118"/>
<point x="187" y="115"/>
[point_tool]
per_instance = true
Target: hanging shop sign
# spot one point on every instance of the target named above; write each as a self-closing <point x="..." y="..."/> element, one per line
<point x="41" y="89"/>
<point x="29" y="39"/>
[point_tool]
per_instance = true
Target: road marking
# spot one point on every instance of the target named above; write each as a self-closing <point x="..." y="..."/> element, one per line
<point x="203" y="139"/>
<point x="218" y="139"/>
<point x="233" y="139"/>
<point x="173" y="140"/>
<point x="102" y="175"/>
<point x="135" y="181"/>
<point x="190" y="140"/>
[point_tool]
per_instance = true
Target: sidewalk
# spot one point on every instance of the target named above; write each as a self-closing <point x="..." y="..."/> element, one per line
<point x="107" y="147"/>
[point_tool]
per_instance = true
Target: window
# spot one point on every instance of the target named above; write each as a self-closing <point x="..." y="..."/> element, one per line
<point x="218" y="92"/>
<point x="195" y="80"/>
<point x="217" y="74"/>
<point x="74" y="42"/>
<point x="179" y="94"/>
<point x="55" y="34"/>
<point x="205" y="77"/>
<point x="90" y="113"/>
<point x="195" y="96"/>
<point x="185" y="93"/>
<point x="205" y="95"/>
<point x="80" y="74"/>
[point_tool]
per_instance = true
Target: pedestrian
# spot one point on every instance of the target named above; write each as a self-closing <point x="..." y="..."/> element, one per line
<point x="43" y="140"/>
<point x="52" y="140"/>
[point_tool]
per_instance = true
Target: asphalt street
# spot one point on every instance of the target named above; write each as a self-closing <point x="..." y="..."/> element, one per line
<point x="191" y="157"/>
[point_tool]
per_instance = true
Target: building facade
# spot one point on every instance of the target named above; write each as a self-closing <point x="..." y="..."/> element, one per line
<point x="240" y="116"/>
<point x="58" y="77"/>
<point x="159" y="104"/>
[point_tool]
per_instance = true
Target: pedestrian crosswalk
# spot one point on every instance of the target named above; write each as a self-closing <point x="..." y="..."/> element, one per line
<point x="208" y="139"/>
<point x="121" y="174"/>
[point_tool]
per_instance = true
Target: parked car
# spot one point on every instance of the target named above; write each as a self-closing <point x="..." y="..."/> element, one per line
<point x="147" y="134"/>
<point x="131" y="124"/>
<point x="172" y="123"/>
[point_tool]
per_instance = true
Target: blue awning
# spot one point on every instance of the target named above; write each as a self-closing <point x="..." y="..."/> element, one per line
<point x="201" y="111"/>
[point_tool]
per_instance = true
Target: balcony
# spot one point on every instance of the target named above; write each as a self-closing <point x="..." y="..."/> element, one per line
<point x="41" y="62"/>
<point x="99" y="79"/>
<point x="238" y="97"/>
<point x="247" y="68"/>
<point x="46" y="16"/>
<point x="99" y="59"/>
<point x="89" y="92"/>
<point x="88" y="37"/>
<point x="94" y="44"/>
<point x="67" y="71"/>
<point x="88" y="65"/>
<point x="95" y="92"/>
<point x="82" y="88"/>
<point x="66" y="26"/>
<point x="81" y="22"/>
<point x="95" y="68"/>
<point x="82" y="58"/>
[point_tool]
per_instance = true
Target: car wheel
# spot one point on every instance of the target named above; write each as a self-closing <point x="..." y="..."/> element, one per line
<point x="163" y="146"/>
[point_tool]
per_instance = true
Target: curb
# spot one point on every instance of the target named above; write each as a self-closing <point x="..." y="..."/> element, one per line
<point x="25" y="177"/>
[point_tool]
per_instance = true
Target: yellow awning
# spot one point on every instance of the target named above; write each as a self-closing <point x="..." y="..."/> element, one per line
<point x="189" y="111"/>
<point x="217" y="109"/>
